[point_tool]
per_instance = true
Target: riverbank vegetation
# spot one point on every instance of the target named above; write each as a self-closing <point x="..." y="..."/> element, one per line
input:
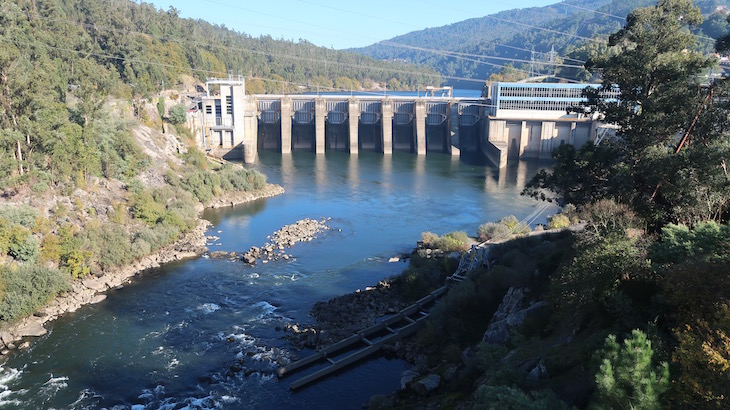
<point x="634" y="310"/>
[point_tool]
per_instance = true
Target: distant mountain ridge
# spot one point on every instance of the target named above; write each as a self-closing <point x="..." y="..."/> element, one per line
<point x="513" y="34"/>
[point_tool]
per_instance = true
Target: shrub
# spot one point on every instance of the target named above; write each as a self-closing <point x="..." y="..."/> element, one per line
<point x="19" y="215"/>
<point x="178" y="114"/>
<point x="27" y="288"/>
<point x="51" y="249"/>
<point x="570" y="212"/>
<point x="23" y="246"/>
<point x="491" y="230"/>
<point x="422" y="276"/>
<point x="607" y="216"/>
<point x="145" y="208"/>
<point x="74" y="261"/>
<point x="195" y="158"/>
<point x="558" y="221"/>
<point x="504" y="229"/>
<point x="515" y="226"/>
<point x="429" y="239"/>
<point x="708" y="240"/>
<point x="453" y="242"/>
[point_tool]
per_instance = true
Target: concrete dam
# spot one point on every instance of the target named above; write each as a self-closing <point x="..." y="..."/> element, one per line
<point x="516" y="121"/>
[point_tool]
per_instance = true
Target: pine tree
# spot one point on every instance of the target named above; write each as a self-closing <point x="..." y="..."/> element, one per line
<point x="628" y="379"/>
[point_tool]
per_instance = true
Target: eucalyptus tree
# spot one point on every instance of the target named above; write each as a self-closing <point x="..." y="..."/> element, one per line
<point x="667" y="159"/>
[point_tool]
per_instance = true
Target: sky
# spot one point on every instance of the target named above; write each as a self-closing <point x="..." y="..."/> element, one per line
<point x="339" y="24"/>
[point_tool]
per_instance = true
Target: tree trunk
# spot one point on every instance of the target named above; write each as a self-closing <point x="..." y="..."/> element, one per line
<point x="20" y="159"/>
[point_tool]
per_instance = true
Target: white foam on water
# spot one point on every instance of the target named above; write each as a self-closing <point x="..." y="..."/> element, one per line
<point x="53" y="385"/>
<point x="229" y="399"/>
<point x="174" y="362"/>
<point x="84" y="395"/>
<point x="190" y="403"/>
<point x="208" y="308"/>
<point x="244" y="339"/>
<point x="7" y="376"/>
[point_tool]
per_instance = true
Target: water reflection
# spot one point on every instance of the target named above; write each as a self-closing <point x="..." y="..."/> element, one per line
<point x="320" y="172"/>
<point x="353" y="171"/>
<point x="515" y="174"/>
<point x="287" y="169"/>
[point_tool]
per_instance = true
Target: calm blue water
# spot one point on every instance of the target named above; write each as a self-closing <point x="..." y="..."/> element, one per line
<point x="169" y="339"/>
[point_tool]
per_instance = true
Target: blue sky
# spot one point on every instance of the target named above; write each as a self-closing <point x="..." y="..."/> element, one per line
<point x="339" y="24"/>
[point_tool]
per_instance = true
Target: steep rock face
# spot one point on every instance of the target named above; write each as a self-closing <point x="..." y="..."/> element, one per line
<point x="515" y="308"/>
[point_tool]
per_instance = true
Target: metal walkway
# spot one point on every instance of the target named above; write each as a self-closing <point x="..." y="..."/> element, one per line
<point x="404" y="323"/>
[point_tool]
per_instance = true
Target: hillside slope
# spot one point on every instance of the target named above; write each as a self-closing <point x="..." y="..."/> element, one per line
<point x="510" y="36"/>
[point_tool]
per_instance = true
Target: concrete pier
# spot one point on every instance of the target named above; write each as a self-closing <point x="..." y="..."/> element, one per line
<point x="320" y="116"/>
<point x="386" y="120"/>
<point x="419" y="127"/>
<point x="286" y="124"/>
<point x="353" y="112"/>
<point x="452" y="142"/>
<point x="251" y="129"/>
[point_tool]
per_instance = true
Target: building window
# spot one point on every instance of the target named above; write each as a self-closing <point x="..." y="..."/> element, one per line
<point x="218" y="110"/>
<point x="208" y="109"/>
<point x="229" y="105"/>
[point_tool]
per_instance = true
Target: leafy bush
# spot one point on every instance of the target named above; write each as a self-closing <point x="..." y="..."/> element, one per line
<point x="453" y="242"/>
<point x="422" y="276"/>
<point x="558" y="221"/>
<point x="492" y="230"/>
<point x="19" y="215"/>
<point x="628" y="378"/>
<point x="600" y="267"/>
<point x="23" y="246"/>
<point x="178" y="114"/>
<point x="27" y="288"/>
<point x="145" y="208"/>
<point x="606" y="216"/>
<point x="570" y="212"/>
<point x="506" y="227"/>
<point x="429" y="239"/>
<point x="708" y="241"/>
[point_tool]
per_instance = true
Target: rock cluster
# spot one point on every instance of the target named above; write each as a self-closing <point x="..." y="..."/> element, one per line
<point x="345" y="315"/>
<point x="516" y="307"/>
<point x="303" y="230"/>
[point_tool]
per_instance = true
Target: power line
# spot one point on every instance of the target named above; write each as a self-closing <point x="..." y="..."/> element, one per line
<point x="299" y="58"/>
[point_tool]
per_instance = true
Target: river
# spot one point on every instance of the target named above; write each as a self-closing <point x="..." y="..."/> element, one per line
<point x="169" y="339"/>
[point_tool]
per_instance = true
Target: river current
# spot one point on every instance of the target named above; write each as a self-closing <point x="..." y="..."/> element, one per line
<point x="203" y="333"/>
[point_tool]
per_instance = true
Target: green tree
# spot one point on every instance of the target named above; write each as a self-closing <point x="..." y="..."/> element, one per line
<point x="628" y="377"/>
<point x="178" y="114"/>
<point x="651" y="90"/>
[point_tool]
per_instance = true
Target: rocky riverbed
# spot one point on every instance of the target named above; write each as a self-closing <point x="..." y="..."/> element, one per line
<point x="345" y="315"/>
<point x="304" y="230"/>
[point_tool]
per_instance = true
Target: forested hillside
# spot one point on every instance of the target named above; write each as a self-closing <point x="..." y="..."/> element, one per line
<point x="573" y="27"/>
<point x="135" y="48"/>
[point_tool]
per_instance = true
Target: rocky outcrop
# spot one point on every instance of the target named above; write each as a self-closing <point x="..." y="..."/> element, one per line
<point x="515" y="308"/>
<point x="426" y="384"/>
<point x="236" y="198"/>
<point x="304" y="230"/>
<point x="344" y="316"/>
